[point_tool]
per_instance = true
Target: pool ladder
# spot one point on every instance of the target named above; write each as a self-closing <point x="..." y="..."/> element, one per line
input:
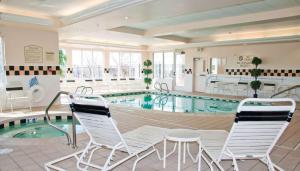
<point x="84" y="90"/>
<point x="48" y="120"/>
<point x="159" y="86"/>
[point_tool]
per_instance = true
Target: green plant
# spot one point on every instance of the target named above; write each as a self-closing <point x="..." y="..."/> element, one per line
<point x="256" y="72"/>
<point x="256" y="61"/>
<point x="147" y="104"/>
<point x="62" y="62"/>
<point x="255" y="84"/>
<point x="147" y="71"/>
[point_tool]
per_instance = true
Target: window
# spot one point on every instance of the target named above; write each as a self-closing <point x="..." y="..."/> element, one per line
<point x="114" y="60"/>
<point x="124" y="65"/>
<point x="168" y="64"/>
<point x="180" y="65"/>
<point x="217" y="65"/>
<point x="2" y="72"/>
<point x="158" y="64"/>
<point x="135" y="65"/>
<point x="163" y="64"/>
<point x="87" y="64"/>
<point x="98" y="59"/>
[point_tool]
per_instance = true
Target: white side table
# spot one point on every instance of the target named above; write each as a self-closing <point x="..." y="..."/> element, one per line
<point x="182" y="136"/>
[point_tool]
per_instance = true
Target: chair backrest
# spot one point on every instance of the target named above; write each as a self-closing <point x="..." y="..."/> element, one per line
<point x="258" y="125"/>
<point x="14" y="86"/>
<point x="94" y="116"/>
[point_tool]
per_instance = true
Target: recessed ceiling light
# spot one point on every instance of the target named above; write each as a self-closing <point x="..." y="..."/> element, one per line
<point x="126" y="18"/>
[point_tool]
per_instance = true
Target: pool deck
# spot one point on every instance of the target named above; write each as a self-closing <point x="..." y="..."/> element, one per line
<point x="31" y="154"/>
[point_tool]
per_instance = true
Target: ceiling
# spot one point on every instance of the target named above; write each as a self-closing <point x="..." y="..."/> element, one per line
<point x="160" y="23"/>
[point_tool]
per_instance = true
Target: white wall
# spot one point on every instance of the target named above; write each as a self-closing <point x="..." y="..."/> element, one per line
<point x="274" y="55"/>
<point x="15" y="38"/>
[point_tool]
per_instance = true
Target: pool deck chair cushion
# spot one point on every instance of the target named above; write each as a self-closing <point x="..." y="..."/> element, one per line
<point x="258" y="125"/>
<point x="95" y="117"/>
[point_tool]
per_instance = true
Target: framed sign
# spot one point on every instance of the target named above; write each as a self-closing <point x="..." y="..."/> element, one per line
<point x="244" y="61"/>
<point x="50" y="56"/>
<point x="33" y="54"/>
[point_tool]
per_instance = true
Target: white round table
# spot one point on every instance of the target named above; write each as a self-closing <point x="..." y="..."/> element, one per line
<point x="182" y="136"/>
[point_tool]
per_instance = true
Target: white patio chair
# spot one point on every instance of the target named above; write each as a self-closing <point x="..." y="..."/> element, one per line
<point x="95" y="117"/>
<point x="256" y="129"/>
<point x="15" y="93"/>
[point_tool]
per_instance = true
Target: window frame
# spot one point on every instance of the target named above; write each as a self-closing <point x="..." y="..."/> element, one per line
<point x="79" y="67"/>
<point x="163" y="64"/>
<point x="120" y="64"/>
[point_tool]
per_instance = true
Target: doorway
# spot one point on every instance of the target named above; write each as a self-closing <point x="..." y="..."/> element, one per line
<point x="199" y="74"/>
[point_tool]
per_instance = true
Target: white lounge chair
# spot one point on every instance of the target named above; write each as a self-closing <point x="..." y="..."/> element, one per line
<point x="257" y="127"/>
<point x="95" y="117"/>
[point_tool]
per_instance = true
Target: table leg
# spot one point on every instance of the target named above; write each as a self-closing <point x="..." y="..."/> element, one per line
<point x="184" y="151"/>
<point x="179" y="155"/>
<point x="199" y="157"/>
<point x="165" y="151"/>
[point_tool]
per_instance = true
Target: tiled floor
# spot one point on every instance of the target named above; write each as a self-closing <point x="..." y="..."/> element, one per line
<point x="31" y="154"/>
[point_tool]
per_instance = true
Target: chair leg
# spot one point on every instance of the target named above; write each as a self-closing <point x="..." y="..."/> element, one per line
<point x="139" y="158"/>
<point x="82" y="156"/>
<point x="11" y="107"/>
<point x="234" y="162"/>
<point x="218" y="165"/>
<point x="271" y="166"/>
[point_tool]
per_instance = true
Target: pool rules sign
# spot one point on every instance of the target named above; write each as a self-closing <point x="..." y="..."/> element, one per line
<point x="33" y="54"/>
<point x="244" y="61"/>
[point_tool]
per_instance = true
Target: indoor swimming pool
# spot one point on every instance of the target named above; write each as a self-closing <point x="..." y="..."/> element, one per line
<point x="174" y="102"/>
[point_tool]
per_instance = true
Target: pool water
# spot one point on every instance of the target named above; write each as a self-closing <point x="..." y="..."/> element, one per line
<point x="39" y="129"/>
<point x="174" y="103"/>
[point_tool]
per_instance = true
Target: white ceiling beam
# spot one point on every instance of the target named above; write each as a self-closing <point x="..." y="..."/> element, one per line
<point x="99" y="10"/>
<point x="175" y="38"/>
<point x="226" y="43"/>
<point x="247" y="18"/>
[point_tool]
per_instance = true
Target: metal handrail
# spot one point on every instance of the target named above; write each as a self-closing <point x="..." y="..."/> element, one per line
<point x="160" y="87"/>
<point x="54" y="126"/>
<point x="77" y="88"/>
<point x="84" y="90"/>
<point x="167" y="90"/>
<point x="283" y="91"/>
<point x="157" y="88"/>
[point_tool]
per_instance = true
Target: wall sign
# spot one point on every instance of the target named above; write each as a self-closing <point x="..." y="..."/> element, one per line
<point x="50" y="56"/>
<point x="244" y="61"/>
<point x="33" y="54"/>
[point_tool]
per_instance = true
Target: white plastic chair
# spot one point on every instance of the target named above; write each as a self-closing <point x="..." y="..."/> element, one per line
<point x="255" y="131"/>
<point x="15" y="93"/>
<point x="95" y="117"/>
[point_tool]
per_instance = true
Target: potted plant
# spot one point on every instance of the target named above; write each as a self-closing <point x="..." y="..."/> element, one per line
<point x="147" y="71"/>
<point x="256" y="72"/>
<point x="62" y="62"/>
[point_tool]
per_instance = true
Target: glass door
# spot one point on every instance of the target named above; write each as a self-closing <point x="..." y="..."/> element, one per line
<point x="158" y="65"/>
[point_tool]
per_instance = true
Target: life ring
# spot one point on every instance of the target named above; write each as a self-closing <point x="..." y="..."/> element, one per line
<point x="37" y="93"/>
